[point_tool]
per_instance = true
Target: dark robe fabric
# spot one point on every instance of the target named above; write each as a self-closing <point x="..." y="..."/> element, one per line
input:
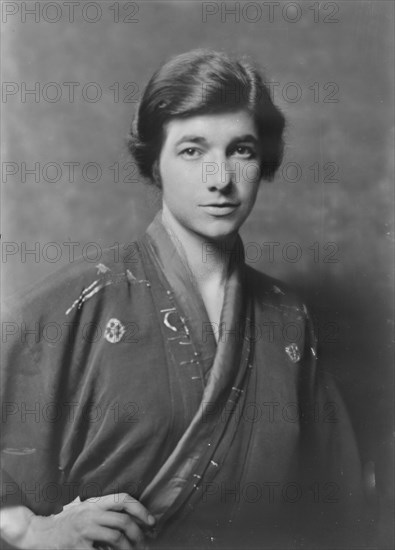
<point x="113" y="381"/>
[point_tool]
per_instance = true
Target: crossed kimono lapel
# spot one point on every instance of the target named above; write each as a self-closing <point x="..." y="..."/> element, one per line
<point x="200" y="450"/>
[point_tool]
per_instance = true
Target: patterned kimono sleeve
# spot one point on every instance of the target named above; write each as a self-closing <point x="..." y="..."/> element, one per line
<point x="29" y="429"/>
<point x="39" y="349"/>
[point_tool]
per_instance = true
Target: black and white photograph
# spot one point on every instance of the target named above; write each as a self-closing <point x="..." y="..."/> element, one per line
<point x="197" y="275"/>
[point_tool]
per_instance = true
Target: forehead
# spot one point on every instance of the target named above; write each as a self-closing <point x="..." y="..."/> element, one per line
<point x="212" y="127"/>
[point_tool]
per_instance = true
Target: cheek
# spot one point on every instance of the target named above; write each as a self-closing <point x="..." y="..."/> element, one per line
<point x="182" y="179"/>
<point x="249" y="189"/>
<point x="250" y="200"/>
<point x="252" y="178"/>
<point x="251" y="173"/>
<point x="175" y="193"/>
<point x="169" y="179"/>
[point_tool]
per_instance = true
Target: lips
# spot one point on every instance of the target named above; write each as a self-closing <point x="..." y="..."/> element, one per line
<point x="218" y="209"/>
<point x="222" y="204"/>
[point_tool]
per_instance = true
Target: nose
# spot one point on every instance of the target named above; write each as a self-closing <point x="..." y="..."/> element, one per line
<point x="219" y="173"/>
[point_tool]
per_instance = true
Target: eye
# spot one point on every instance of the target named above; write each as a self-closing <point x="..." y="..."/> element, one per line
<point x="244" y="151"/>
<point x="190" y="153"/>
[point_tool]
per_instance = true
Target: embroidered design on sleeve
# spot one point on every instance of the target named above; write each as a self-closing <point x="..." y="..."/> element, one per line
<point x="166" y="321"/>
<point x="130" y="276"/>
<point x="87" y="293"/>
<point x="114" y="331"/>
<point x="107" y="278"/>
<point x="22" y="451"/>
<point x="101" y="268"/>
<point x="293" y="352"/>
<point x="277" y="290"/>
<point x="184" y="324"/>
<point x="132" y="279"/>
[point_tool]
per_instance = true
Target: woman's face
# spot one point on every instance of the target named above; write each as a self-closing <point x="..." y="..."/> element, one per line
<point x="209" y="167"/>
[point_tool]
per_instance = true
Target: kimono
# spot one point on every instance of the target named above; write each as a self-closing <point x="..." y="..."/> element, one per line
<point x="113" y="382"/>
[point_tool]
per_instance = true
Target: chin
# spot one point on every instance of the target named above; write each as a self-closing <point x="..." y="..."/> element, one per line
<point x="219" y="230"/>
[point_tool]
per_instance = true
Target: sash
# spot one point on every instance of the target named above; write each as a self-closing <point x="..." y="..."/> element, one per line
<point x="202" y="448"/>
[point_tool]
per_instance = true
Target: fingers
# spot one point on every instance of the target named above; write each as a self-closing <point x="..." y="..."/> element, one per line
<point x="114" y="539"/>
<point x="123" y="502"/>
<point x="122" y="520"/>
<point x="124" y="523"/>
<point x="134" y="535"/>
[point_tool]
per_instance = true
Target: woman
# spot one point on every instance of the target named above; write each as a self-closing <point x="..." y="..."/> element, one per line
<point x="181" y="405"/>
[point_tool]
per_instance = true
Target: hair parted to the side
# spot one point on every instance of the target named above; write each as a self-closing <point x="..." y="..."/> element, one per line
<point x="202" y="82"/>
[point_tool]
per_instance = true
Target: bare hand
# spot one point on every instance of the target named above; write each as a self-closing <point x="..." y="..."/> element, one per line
<point x="116" y="521"/>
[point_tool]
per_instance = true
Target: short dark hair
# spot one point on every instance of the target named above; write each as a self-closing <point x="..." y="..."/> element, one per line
<point x="202" y="82"/>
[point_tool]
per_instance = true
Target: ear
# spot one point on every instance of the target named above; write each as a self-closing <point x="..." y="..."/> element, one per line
<point x="156" y="175"/>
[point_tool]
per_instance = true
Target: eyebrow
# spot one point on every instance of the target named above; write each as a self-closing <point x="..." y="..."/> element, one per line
<point x="201" y="140"/>
<point x="192" y="139"/>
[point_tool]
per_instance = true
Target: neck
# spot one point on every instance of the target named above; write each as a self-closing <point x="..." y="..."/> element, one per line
<point x="207" y="259"/>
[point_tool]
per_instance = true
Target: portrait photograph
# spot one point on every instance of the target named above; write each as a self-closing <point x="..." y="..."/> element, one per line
<point x="197" y="275"/>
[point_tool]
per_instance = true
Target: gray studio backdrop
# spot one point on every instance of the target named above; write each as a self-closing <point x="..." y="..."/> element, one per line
<point x="323" y="225"/>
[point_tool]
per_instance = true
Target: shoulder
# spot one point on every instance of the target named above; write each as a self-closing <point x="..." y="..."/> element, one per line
<point x="282" y="307"/>
<point x="273" y="293"/>
<point x="70" y="287"/>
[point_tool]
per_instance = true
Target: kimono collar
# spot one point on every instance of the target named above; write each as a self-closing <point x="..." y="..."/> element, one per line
<point x="182" y="281"/>
<point x="170" y="259"/>
<point x="226" y="380"/>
